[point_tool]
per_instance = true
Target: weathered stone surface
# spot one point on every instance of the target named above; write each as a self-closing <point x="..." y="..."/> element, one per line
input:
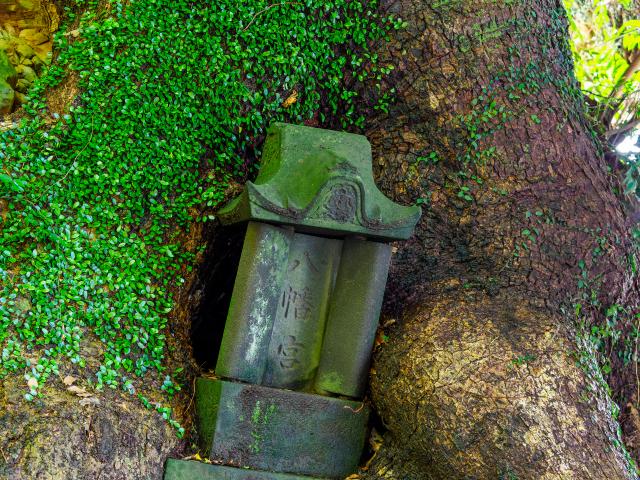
<point x="8" y="72"/>
<point x="34" y="36"/>
<point x="298" y="330"/>
<point x="320" y="181"/>
<point x="279" y="430"/>
<point x="38" y="63"/>
<point x="7" y="96"/>
<point x="187" y="470"/>
<point x="26" y="72"/>
<point x="20" y="98"/>
<point x="254" y="302"/>
<point x="23" y="86"/>
<point x="26" y="28"/>
<point x="26" y="4"/>
<point x="24" y="50"/>
<point x="285" y="291"/>
<point x="353" y="318"/>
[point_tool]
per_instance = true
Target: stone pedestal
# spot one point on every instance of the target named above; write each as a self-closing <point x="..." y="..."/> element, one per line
<point x="279" y="430"/>
<point x="189" y="470"/>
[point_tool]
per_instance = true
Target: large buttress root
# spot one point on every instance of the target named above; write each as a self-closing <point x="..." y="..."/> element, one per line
<point x="484" y="388"/>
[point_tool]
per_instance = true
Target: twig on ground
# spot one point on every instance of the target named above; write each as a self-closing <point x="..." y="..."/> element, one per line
<point x="73" y="164"/>
<point x="266" y="9"/>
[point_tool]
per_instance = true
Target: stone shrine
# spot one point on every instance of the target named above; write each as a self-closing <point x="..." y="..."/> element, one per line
<point x="286" y="402"/>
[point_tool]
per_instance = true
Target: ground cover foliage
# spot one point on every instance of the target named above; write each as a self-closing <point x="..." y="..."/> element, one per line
<point x="605" y="38"/>
<point x="93" y="201"/>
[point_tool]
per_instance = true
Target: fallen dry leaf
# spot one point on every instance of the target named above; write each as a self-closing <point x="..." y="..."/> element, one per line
<point x="79" y="391"/>
<point x="381" y="338"/>
<point x="389" y="322"/>
<point x="375" y="440"/>
<point x="293" y="98"/>
<point x="89" y="401"/>
<point x="68" y="380"/>
<point x="196" y="457"/>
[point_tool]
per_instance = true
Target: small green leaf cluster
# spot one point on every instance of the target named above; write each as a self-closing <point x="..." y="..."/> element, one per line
<point x="603" y="44"/>
<point x="632" y="175"/>
<point x="431" y="158"/>
<point x="606" y="50"/>
<point x="611" y="330"/>
<point x="523" y="359"/>
<point x="174" y="98"/>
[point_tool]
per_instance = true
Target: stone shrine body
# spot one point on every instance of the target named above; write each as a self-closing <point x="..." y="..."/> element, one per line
<point x="286" y="402"/>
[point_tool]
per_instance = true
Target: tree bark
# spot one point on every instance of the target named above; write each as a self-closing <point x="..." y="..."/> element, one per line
<point x="487" y="372"/>
<point x="524" y="238"/>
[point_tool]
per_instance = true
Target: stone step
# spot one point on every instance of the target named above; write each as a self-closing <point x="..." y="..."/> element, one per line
<point x="279" y="430"/>
<point x="189" y="470"/>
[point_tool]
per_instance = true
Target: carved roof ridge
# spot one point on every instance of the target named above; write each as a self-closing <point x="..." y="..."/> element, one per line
<point x="320" y="181"/>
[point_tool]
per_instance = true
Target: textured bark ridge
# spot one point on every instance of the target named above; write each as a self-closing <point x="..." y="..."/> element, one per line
<point x="489" y="91"/>
<point x="485" y="387"/>
<point x="66" y="438"/>
<point x="484" y="377"/>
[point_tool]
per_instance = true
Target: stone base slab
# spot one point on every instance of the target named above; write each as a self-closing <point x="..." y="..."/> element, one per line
<point x="189" y="470"/>
<point x="279" y="430"/>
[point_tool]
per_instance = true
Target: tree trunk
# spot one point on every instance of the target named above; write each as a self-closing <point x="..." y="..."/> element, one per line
<point x="488" y="371"/>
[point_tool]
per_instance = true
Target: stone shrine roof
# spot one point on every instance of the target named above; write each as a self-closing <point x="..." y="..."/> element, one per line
<point x="320" y="181"/>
